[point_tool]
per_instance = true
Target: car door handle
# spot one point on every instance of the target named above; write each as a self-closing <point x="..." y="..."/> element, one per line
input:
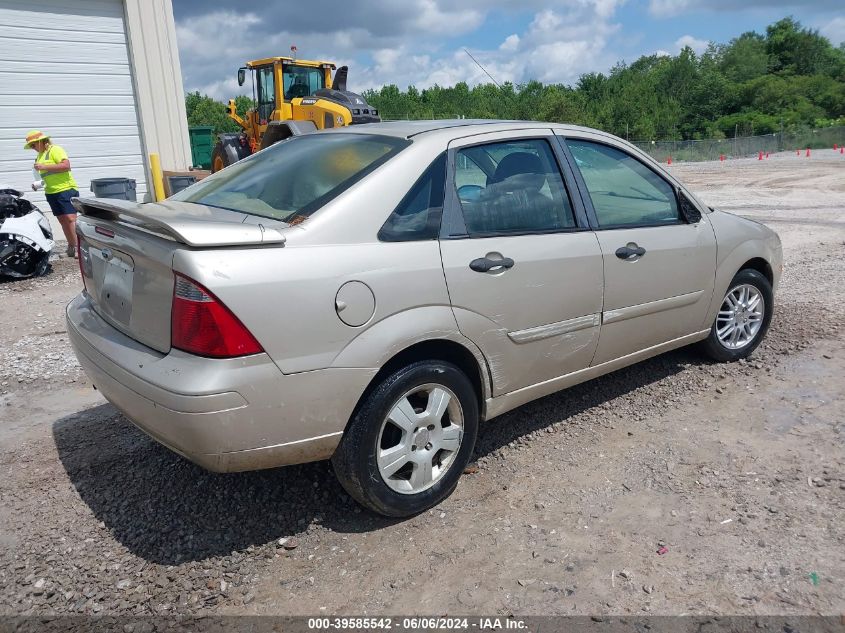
<point x="485" y="264"/>
<point x="630" y="252"/>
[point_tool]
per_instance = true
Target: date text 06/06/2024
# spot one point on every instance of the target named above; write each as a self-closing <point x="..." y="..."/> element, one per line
<point x="417" y="623"/>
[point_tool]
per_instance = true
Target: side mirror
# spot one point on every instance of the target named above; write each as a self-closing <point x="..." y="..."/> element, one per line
<point x="690" y="212"/>
<point x="241" y="76"/>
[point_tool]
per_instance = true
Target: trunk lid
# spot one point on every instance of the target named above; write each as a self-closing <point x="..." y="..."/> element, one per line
<point x="186" y="222"/>
<point x="126" y="256"/>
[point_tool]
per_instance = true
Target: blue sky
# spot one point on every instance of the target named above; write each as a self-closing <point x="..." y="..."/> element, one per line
<point x="421" y="42"/>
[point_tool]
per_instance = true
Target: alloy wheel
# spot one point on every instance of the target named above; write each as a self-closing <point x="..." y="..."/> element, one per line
<point x="420" y="438"/>
<point x="740" y="316"/>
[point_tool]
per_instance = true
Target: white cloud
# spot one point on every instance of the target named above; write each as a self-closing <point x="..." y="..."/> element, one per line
<point x="667" y="8"/>
<point x="545" y="22"/>
<point x="834" y="30"/>
<point x="670" y="8"/>
<point x="564" y="39"/>
<point x="201" y="39"/>
<point x="699" y="46"/>
<point x="434" y="20"/>
<point x="606" y="8"/>
<point x="510" y="44"/>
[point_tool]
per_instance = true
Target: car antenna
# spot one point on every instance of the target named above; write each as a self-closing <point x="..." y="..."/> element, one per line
<point x="482" y="68"/>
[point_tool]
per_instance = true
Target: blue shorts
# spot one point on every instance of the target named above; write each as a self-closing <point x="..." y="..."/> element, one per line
<point x="60" y="202"/>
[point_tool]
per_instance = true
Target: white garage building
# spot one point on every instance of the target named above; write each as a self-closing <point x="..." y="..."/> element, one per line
<point x="102" y="77"/>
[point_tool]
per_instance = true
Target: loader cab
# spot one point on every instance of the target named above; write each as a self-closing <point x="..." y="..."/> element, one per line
<point x="280" y="80"/>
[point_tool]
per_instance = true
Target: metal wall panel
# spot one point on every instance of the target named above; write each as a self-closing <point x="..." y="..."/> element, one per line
<point x="158" y="80"/>
<point x="65" y="68"/>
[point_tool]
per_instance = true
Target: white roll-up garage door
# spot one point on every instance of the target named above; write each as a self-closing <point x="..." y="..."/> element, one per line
<point x="64" y="69"/>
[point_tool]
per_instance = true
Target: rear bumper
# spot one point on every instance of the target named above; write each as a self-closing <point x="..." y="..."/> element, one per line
<point x="224" y="414"/>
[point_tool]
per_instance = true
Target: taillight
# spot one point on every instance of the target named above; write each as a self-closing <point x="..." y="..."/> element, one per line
<point x="202" y="325"/>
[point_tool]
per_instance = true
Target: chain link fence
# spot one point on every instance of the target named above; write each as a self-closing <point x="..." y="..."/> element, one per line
<point x="743" y="146"/>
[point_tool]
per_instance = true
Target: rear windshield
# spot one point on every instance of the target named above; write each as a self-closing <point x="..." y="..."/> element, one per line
<point x="290" y="180"/>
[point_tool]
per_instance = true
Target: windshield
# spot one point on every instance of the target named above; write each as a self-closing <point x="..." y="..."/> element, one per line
<point x="290" y="180"/>
<point x="301" y="81"/>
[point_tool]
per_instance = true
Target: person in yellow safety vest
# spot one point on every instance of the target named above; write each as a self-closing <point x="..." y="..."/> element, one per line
<point x="53" y="166"/>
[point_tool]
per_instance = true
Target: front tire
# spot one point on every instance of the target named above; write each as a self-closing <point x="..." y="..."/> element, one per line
<point x="219" y="158"/>
<point x="229" y="149"/>
<point x="43" y="266"/>
<point x="743" y="318"/>
<point x="410" y="440"/>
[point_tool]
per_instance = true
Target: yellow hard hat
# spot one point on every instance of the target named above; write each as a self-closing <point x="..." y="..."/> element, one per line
<point x="35" y="135"/>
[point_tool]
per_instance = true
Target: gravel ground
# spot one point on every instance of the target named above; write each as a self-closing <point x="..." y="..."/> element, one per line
<point x="736" y="470"/>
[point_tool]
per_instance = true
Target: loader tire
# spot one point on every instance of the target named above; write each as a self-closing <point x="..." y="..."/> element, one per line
<point x="219" y="158"/>
<point x="228" y="151"/>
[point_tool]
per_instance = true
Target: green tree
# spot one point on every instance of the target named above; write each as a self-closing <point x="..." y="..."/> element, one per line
<point x="745" y="58"/>
<point x="203" y="110"/>
<point x="797" y="51"/>
<point x="243" y="104"/>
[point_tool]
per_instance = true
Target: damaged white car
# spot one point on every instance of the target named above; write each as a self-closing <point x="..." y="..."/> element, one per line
<point x="26" y="238"/>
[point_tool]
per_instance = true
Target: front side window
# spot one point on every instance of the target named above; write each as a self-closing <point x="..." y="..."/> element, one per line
<point x="512" y="187"/>
<point x="266" y="93"/>
<point x="301" y="81"/>
<point x="624" y="192"/>
<point x="290" y="180"/>
<point x="418" y="215"/>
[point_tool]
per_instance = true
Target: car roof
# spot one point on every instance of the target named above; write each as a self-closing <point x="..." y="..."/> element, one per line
<point x="453" y="128"/>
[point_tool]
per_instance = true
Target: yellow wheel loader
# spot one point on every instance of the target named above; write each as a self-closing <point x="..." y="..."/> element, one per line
<point x="293" y="97"/>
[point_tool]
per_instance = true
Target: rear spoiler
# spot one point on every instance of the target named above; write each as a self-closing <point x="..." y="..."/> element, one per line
<point x="179" y="227"/>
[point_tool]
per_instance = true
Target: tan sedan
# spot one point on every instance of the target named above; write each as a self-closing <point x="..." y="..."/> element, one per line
<point x="370" y="294"/>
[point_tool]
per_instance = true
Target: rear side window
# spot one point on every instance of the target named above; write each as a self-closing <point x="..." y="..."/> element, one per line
<point x="624" y="192"/>
<point x="512" y="188"/>
<point x="290" y="180"/>
<point x="418" y="215"/>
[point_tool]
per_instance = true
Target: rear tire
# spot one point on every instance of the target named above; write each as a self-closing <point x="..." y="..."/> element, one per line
<point x="743" y="318"/>
<point x="410" y="440"/>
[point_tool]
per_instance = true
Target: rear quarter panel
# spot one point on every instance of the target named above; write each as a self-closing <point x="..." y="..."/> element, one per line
<point x="286" y="298"/>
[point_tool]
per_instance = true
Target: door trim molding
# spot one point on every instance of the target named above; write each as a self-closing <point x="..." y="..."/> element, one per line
<point x="555" y="329"/>
<point x="507" y="402"/>
<point x="643" y="309"/>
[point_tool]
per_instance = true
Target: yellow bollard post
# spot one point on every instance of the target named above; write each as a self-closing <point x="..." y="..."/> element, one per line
<point x="158" y="178"/>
